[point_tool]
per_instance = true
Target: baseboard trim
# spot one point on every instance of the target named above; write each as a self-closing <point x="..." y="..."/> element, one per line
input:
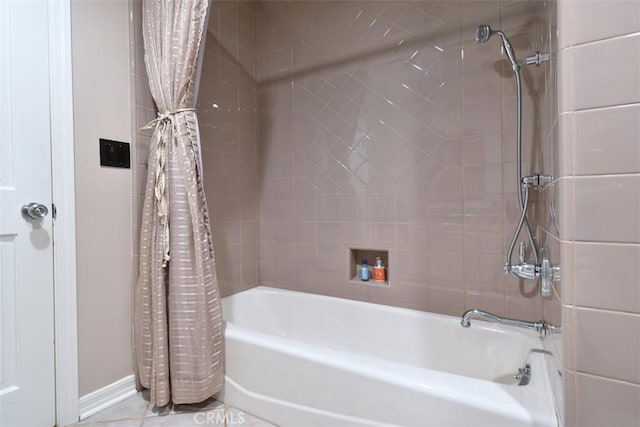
<point x="107" y="396"/>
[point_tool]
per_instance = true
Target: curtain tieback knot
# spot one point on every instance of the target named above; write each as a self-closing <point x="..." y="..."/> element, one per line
<point x="164" y="118"/>
<point x="162" y="126"/>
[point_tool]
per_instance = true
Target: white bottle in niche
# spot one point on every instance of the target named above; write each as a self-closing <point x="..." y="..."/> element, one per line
<point x="379" y="271"/>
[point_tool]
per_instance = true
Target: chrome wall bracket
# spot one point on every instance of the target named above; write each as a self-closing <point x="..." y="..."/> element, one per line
<point x="536" y="59"/>
<point x="536" y="181"/>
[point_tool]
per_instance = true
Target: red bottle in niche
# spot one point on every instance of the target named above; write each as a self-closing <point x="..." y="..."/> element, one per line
<point x="379" y="272"/>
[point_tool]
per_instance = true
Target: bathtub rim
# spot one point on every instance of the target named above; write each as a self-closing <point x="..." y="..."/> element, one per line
<point x="476" y="323"/>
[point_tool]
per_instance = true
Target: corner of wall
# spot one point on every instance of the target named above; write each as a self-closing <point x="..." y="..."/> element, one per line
<point x="599" y="138"/>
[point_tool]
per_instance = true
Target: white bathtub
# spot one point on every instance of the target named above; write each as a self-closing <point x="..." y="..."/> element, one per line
<point x="300" y="359"/>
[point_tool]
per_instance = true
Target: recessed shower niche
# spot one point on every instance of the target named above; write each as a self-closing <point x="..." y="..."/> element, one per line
<point x="357" y="257"/>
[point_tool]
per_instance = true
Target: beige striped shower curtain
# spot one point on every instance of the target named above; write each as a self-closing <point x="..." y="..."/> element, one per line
<point x="178" y="318"/>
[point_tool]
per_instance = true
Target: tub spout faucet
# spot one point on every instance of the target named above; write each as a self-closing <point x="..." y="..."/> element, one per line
<point x="541" y="327"/>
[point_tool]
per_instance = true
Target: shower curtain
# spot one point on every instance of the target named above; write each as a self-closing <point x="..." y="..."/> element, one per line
<point x="178" y="318"/>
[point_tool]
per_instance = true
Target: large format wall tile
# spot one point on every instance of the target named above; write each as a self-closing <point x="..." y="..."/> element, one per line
<point x="607" y="276"/>
<point x="605" y="73"/>
<point x="605" y="140"/>
<point x="608" y="344"/>
<point x="603" y="402"/>
<point x="607" y="208"/>
<point x="586" y="21"/>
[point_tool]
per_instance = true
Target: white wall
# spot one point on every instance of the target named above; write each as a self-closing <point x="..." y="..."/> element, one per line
<point x="100" y="43"/>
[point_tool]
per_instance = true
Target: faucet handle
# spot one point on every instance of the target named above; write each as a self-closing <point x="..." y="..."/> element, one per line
<point x="521" y="250"/>
<point x="524" y="375"/>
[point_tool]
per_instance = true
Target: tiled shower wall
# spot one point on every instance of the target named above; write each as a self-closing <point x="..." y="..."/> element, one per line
<point x="227" y="114"/>
<point x="599" y="103"/>
<point x="374" y="131"/>
<point x="142" y="112"/>
<point x="383" y="125"/>
<point x="228" y="120"/>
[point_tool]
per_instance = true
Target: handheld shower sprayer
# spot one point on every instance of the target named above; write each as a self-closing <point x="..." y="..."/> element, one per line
<point x="484" y="33"/>
<point x="524" y="269"/>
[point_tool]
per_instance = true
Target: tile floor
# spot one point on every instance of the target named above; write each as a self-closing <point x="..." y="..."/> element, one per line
<point x="136" y="411"/>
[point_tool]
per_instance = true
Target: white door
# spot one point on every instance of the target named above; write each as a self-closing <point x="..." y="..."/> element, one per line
<point x="27" y="390"/>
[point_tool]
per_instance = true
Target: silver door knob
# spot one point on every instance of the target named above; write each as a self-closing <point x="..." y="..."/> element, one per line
<point x="34" y="211"/>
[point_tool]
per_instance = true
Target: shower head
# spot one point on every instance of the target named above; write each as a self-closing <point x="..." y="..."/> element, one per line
<point x="484" y="33"/>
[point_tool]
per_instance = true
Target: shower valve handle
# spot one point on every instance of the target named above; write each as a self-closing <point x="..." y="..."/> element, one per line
<point x="522" y="271"/>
